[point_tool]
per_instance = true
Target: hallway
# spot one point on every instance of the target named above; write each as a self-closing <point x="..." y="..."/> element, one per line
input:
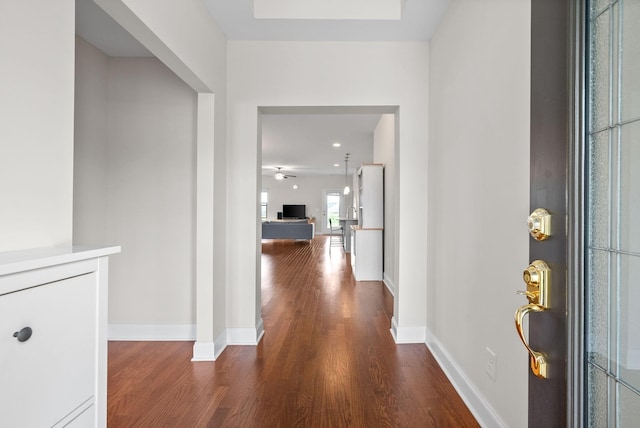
<point x="327" y="359"/>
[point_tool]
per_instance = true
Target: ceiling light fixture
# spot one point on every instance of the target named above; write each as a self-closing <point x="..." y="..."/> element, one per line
<point x="336" y="164"/>
<point x="336" y="144"/>
<point x="280" y="176"/>
<point x="346" y="177"/>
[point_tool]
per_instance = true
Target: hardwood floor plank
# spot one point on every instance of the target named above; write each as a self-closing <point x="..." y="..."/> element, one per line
<point x="327" y="359"/>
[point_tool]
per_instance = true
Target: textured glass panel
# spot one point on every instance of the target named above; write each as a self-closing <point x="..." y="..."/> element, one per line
<point x="630" y="188"/>
<point x="599" y="193"/>
<point x="628" y="407"/>
<point x="630" y="76"/>
<point x="629" y="321"/>
<point x="615" y="59"/>
<point x="598" y="309"/>
<point x="613" y="289"/>
<point x="597" y="6"/>
<point x="599" y="79"/>
<point x="598" y="409"/>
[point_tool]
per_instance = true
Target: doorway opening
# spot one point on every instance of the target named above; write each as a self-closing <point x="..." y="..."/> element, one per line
<point x="312" y="184"/>
<point x="332" y="209"/>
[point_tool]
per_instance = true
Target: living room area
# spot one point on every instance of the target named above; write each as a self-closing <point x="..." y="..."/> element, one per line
<point x="313" y="164"/>
<point x="287" y="204"/>
<point x="303" y="161"/>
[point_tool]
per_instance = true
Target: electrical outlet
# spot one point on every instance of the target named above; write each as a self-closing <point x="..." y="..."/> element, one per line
<point x="492" y="363"/>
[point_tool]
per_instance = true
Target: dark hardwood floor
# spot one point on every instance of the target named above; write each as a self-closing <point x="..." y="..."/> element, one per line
<point x="327" y="359"/>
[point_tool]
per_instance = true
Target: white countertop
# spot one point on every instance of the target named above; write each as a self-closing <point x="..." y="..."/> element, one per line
<point x="357" y="228"/>
<point x="20" y="261"/>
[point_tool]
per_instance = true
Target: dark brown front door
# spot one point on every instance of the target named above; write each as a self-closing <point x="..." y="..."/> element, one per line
<point x="585" y="170"/>
<point x="551" y="119"/>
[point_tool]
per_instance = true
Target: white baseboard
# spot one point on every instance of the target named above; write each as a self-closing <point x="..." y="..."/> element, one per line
<point x="389" y="283"/>
<point x="245" y="336"/>
<point x="259" y="331"/>
<point x="477" y="404"/>
<point x="407" y="334"/>
<point x="209" y="351"/>
<point x="187" y="332"/>
<point x="204" y="351"/>
<point x="152" y="332"/>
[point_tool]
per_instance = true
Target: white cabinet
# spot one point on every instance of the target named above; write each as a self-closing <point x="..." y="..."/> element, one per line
<point x="53" y="371"/>
<point x="367" y="236"/>
<point x="366" y="254"/>
<point x="53" y="337"/>
<point x="371" y="196"/>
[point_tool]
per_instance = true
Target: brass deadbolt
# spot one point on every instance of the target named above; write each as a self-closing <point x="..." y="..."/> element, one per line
<point x="539" y="224"/>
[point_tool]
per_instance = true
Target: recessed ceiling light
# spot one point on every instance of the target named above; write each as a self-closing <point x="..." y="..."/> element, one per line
<point x="336" y="144"/>
<point x="336" y="164"/>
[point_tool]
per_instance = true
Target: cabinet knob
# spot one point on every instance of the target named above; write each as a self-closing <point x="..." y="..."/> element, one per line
<point x="23" y="335"/>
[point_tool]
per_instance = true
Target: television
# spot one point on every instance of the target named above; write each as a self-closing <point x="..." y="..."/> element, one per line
<point x="294" y="211"/>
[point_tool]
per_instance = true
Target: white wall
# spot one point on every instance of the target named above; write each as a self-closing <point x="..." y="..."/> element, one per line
<point x="479" y="194"/>
<point x="90" y="146"/>
<point x="309" y="193"/>
<point x="191" y="50"/>
<point x="384" y="138"/>
<point x="151" y="193"/>
<point x="197" y="54"/>
<point x="136" y="160"/>
<point x="326" y="74"/>
<point x="36" y="123"/>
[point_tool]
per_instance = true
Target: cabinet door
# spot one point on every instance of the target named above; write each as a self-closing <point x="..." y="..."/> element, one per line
<point x="368" y="265"/>
<point x="371" y="196"/>
<point x="52" y="373"/>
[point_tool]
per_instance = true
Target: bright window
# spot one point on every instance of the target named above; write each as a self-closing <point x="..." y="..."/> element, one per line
<point x="333" y="208"/>
<point x="263" y="204"/>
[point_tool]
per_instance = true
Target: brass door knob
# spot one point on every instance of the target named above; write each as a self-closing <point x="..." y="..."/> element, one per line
<point x="537" y="276"/>
<point x="539" y="365"/>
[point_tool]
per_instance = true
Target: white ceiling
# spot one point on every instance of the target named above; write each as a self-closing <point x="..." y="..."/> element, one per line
<point x="420" y="19"/>
<point x="99" y="29"/>
<point x="300" y="140"/>
<point x="302" y="144"/>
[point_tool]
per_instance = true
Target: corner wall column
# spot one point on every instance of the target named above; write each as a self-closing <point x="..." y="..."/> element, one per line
<point x="204" y="349"/>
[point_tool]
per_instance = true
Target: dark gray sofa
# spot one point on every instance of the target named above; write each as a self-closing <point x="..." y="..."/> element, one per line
<point x="287" y="229"/>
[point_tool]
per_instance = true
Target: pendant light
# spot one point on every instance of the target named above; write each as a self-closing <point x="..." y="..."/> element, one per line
<point x="346" y="177"/>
